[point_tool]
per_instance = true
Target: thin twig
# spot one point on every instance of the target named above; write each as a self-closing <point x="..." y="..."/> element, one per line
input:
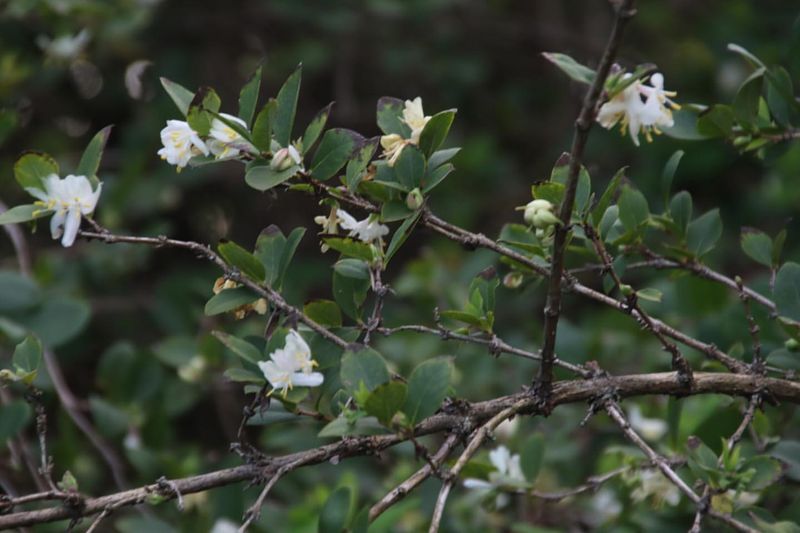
<point x="757" y="364"/>
<point x="254" y="511"/>
<point x="400" y="491"/>
<point x="552" y="308"/>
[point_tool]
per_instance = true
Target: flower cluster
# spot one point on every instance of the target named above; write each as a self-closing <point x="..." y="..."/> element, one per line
<point x="367" y="230"/>
<point x="69" y="199"/>
<point x="507" y="472"/>
<point x="414" y="118"/>
<point x="182" y="143"/>
<point x="291" y="365"/>
<point x="640" y="108"/>
<point x="539" y="214"/>
<point x="259" y="306"/>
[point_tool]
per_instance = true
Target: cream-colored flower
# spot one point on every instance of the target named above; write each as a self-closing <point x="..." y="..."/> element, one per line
<point x="539" y="214"/>
<point x="69" y="198"/>
<point x="393" y="145"/>
<point x="330" y="226"/>
<point x="181" y="143"/>
<point x="286" y="158"/>
<point x="507" y="471"/>
<point x="415" y="118"/>
<point x="64" y="47"/>
<point x="224" y="142"/>
<point x="653" y="484"/>
<point x="258" y="307"/>
<point x="651" y="429"/>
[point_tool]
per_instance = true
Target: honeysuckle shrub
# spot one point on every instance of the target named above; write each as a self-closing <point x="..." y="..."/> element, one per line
<point x="222" y="348"/>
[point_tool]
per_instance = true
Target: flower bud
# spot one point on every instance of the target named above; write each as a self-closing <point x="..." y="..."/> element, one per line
<point x="626" y="289"/>
<point x="792" y="345"/>
<point x="513" y="280"/>
<point x="414" y="199"/>
<point x="281" y="160"/>
<point x="539" y="214"/>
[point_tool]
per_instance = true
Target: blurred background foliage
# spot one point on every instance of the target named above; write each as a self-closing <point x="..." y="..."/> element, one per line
<point x="127" y="322"/>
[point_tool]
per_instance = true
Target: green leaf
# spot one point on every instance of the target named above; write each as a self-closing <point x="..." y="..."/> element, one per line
<point x="335" y="149"/>
<point x="435" y="131"/>
<point x="668" y="175"/>
<point x="552" y="192"/>
<point x="324" y="312"/>
<point x="18" y="291"/>
<point x="685" y="126"/>
<point x="358" y="163"/>
<point x="32" y="167"/>
<point x="704" y="232"/>
<point x="649" y="294"/>
<point x="363" y="366"/>
<point x="435" y="176"/>
<point x="180" y="95"/>
<point x="745" y="105"/>
<point x="23" y="213"/>
<point x="264" y="177"/>
<point x="351" y="248"/>
<point x="427" y="387"/>
<point x="385" y="401"/>
<point x="784" y="526"/>
<point x="90" y="160"/>
<point x="240" y="258"/>
<point x="262" y="127"/>
<point x="276" y="251"/>
<point x="410" y="167"/>
<point x="757" y="245"/>
<point x="608" y="196"/>
<point x="532" y="457"/>
<point x="242" y="375"/>
<point x="766" y="471"/>
<point x="240" y="347"/>
<point x="570" y="67"/>
<point x="28" y="355"/>
<point x="749" y="57"/>
<point x="57" y="320"/>
<point x="292" y="242"/>
<point x="777" y="247"/>
<point x="390" y="117"/>
<point x="287" y="106"/>
<point x="780" y="95"/>
<point x="228" y="300"/>
<point x="787" y="291"/>
<point x="473" y="319"/>
<point x="680" y="209"/>
<point x="560" y="174"/>
<point x="203" y="110"/>
<point x="350" y="293"/>
<point x="315" y="127"/>
<point x="333" y="518"/>
<point x="352" y="268"/>
<point x="400" y="236"/>
<point x="248" y="97"/>
<point x="440" y="157"/>
<point x="68" y="482"/>
<point x="13" y="417"/>
<point x="716" y="122"/>
<point x="633" y="208"/>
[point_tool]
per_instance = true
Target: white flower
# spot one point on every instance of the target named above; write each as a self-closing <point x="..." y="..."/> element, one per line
<point x="291" y="365"/>
<point x="285" y="158"/>
<point x="64" y="47"/>
<point x="507" y="471"/>
<point x="181" y="143"/>
<point x="653" y="483"/>
<point x="330" y="226"/>
<point x="392" y="145"/>
<point x="224" y="141"/>
<point x="651" y="429"/>
<point x="539" y="214"/>
<point x="637" y="115"/>
<point x="415" y="118"/>
<point x="70" y="198"/>
<point x="605" y="506"/>
<point x="223" y="525"/>
<point x="367" y="230"/>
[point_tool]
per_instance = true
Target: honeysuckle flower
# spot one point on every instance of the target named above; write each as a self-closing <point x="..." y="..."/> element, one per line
<point x="392" y="145"/>
<point x="539" y="214"/>
<point x="367" y="230"/>
<point x="652" y="483"/>
<point x="259" y="306"/>
<point x="415" y="118"/>
<point x="330" y="226"/>
<point x="224" y="142"/>
<point x="507" y="472"/>
<point x="651" y="429"/>
<point x="637" y="115"/>
<point x="181" y="143"/>
<point x="69" y="198"/>
<point x="64" y="47"/>
<point x="285" y="158"/>
<point x="291" y="365"/>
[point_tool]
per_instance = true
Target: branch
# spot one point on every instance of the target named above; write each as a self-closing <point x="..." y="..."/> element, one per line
<point x="564" y="392"/>
<point x="583" y="124"/>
